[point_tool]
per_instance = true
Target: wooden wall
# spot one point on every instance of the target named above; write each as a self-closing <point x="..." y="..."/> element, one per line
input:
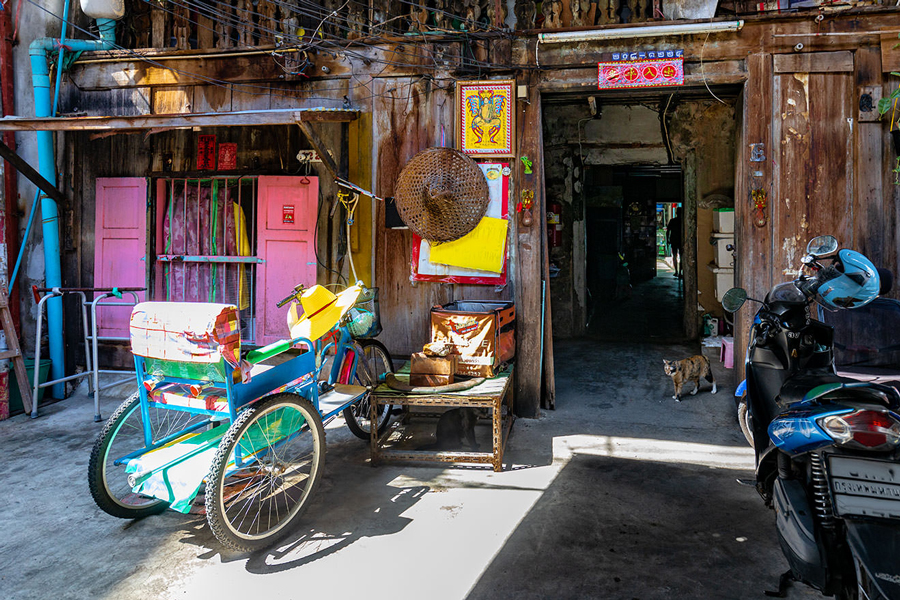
<point x="827" y="166"/>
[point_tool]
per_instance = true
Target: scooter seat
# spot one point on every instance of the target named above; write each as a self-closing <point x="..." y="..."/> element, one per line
<point x="806" y="385"/>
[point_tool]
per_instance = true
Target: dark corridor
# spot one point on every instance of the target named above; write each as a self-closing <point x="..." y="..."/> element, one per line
<point x="633" y="293"/>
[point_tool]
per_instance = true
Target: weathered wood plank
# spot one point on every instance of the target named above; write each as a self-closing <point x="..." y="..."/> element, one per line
<point x="890" y="52"/>
<point x="166" y="101"/>
<point x="212" y="98"/>
<point x="869" y="235"/>
<point x="814" y="62"/>
<point x="403" y="125"/>
<point x="223" y="119"/>
<point x="796" y="175"/>
<point x="529" y="260"/>
<point x="753" y="174"/>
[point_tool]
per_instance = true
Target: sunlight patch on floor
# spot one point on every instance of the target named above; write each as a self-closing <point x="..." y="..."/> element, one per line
<point x="707" y="455"/>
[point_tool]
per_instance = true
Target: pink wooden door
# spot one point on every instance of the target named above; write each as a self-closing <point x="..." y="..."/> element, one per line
<point x="286" y="222"/>
<point x="120" y="246"/>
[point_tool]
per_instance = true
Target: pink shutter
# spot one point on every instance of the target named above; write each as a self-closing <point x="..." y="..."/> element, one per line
<point x="286" y="224"/>
<point x="120" y="245"/>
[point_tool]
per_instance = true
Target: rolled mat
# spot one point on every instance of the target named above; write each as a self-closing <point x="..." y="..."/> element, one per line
<point x="396" y="384"/>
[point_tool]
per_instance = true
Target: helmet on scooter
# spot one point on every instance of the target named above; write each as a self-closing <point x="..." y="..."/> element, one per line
<point x="855" y="282"/>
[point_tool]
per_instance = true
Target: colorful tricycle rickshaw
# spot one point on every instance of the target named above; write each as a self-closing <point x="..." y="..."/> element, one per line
<point x="246" y="430"/>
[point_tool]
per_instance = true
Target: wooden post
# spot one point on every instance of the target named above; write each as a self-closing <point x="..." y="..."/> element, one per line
<point x="529" y="257"/>
<point x="689" y="248"/>
<point x="14" y="352"/>
<point x="869" y="233"/>
<point x="753" y="269"/>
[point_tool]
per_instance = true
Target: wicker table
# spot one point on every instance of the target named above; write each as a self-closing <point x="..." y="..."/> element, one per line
<point x="492" y="394"/>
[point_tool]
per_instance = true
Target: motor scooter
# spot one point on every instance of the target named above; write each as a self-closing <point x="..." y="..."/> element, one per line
<point x="827" y="445"/>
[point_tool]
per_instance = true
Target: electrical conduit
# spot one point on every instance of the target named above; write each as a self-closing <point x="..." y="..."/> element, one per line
<point x="40" y="74"/>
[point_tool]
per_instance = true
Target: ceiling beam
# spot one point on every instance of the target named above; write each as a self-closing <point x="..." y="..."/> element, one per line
<point x="287" y="116"/>
<point x="28" y="171"/>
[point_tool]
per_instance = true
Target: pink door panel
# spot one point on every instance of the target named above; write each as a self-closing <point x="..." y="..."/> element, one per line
<point x="120" y="245"/>
<point x="285" y="232"/>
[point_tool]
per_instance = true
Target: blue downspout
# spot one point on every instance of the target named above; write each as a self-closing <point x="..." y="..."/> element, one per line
<point x="40" y="74"/>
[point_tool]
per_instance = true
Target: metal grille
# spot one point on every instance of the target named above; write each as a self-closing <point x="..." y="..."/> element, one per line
<point x="206" y="244"/>
<point x="441" y="194"/>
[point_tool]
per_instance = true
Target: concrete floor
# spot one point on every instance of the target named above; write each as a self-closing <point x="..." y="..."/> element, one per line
<point x="619" y="493"/>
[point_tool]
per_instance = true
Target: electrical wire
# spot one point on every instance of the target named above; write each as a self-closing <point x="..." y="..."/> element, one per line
<point x="244" y="88"/>
<point x="230" y="15"/>
<point x="703" y="73"/>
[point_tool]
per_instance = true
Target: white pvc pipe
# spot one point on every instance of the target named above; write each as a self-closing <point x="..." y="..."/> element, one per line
<point x="639" y="31"/>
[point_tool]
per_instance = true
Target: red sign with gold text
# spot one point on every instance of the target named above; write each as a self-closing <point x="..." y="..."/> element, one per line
<point x="641" y="69"/>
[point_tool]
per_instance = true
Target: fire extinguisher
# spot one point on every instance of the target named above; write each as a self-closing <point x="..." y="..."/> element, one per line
<point x="554" y="224"/>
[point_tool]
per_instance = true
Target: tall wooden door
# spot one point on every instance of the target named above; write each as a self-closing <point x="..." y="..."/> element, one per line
<point x="814" y="155"/>
<point x="286" y="221"/>
<point x="120" y="245"/>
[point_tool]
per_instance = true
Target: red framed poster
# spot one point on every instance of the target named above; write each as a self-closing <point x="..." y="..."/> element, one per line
<point x="206" y="153"/>
<point x="497" y="175"/>
<point x="227" y="156"/>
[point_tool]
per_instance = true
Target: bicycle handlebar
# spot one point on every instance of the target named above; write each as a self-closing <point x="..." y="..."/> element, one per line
<point x="296" y="292"/>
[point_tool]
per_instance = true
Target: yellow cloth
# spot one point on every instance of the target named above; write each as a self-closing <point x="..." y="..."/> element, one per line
<point x="483" y="248"/>
<point x="243" y="249"/>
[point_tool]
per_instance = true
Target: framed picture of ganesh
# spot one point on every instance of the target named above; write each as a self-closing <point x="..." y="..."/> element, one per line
<point x="485" y="118"/>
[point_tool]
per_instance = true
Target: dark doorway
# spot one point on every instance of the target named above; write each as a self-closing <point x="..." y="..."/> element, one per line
<point x="632" y="289"/>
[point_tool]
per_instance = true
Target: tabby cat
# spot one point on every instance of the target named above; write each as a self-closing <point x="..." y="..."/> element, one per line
<point x="689" y="369"/>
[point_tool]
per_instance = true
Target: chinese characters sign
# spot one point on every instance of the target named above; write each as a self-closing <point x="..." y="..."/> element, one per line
<point x="206" y="153"/>
<point x="485" y="125"/>
<point x="641" y="69"/>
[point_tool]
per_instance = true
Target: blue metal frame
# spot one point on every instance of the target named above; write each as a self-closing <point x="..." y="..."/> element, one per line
<point x="298" y="375"/>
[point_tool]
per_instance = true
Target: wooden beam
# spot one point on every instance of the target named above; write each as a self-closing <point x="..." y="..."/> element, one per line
<point x="529" y="259"/>
<point x="814" y="62"/>
<point x="319" y="146"/>
<point x="755" y="157"/>
<point x="287" y="116"/>
<point x="28" y="171"/>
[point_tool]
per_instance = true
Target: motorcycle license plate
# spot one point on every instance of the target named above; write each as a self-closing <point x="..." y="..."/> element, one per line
<point x="867" y="488"/>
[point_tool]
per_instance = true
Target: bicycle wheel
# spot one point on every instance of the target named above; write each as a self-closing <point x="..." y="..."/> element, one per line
<point x="123" y="434"/>
<point x="357" y="414"/>
<point x="265" y="471"/>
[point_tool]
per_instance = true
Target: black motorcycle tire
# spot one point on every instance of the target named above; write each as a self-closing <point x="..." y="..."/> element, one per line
<point x="745" y="420"/>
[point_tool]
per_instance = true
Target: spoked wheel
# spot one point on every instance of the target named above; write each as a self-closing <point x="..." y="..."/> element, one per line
<point x="265" y="471"/>
<point x="122" y="435"/>
<point x="357" y="415"/>
<point x="745" y="420"/>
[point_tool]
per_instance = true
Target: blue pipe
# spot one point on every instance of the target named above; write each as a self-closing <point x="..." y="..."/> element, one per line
<point x="37" y="195"/>
<point x="40" y="76"/>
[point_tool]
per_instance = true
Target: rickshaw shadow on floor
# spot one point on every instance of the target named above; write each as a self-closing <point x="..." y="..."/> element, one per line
<point x="335" y="520"/>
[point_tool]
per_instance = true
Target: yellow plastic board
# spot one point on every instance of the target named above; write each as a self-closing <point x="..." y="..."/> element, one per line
<point x="483" y="248"/>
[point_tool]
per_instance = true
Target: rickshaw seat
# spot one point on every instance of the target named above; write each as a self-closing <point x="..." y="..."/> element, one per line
<point x="190" y="340"/>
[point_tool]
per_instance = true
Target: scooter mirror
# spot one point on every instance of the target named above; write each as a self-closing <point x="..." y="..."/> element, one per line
<point x="734" y="299"/>
<point x="822" y="245"/>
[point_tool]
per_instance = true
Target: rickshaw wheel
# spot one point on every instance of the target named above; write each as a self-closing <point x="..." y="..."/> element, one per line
<point x="357" y="414"/>
<point x="121" y="435"/>
<point x="264" y="472"/>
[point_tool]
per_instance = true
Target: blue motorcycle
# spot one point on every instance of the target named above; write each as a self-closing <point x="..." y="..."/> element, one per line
<point x="827" y="442"/>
